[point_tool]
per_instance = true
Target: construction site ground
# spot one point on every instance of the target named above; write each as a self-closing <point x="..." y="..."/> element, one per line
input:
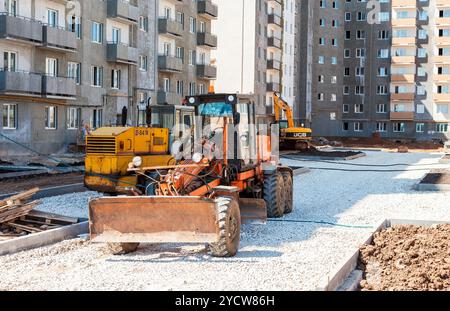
<point x="407" y="258"/>
<point x="12" y="185"/>
<point x="294" y="255"/>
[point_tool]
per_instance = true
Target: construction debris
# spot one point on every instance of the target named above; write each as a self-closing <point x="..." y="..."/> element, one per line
<point x="18" y="219"/>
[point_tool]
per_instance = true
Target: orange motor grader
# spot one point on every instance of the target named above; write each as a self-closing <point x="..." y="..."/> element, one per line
<point x="231" y="177"/>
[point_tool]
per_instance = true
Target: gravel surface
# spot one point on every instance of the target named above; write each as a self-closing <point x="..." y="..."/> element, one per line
<point x="71" y="205"/>
<point x="278" y="256"/>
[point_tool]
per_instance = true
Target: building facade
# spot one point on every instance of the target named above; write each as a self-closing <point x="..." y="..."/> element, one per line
<point x="374" y="67"/>
<point x="253" y="51"/>
<point x="67" y="64"/>
<point x="185" y="42"/>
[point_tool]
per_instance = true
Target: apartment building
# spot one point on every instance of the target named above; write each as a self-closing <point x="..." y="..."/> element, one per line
<point x="253" y="51"/>
<point x="185" y="42"/>
<point x="289" y="57"/>
<point x="66" y="64"/>
<point x="368" y="69"/>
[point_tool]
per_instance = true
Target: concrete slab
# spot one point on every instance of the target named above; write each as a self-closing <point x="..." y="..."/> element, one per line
<point x="43" y="238"/>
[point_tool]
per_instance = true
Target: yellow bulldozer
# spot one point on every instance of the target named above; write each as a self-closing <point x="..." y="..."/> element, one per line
<point x="109" y="150"/>
<point x="291" y="137"/>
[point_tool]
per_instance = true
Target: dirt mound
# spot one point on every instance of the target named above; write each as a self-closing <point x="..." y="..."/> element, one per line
<point x="407" y="258"/>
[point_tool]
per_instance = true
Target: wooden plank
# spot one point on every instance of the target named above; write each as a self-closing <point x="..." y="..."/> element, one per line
<point x="25" y="228"/>
<point x="21" y="196"/>
<point x="17" y="212"/>
<point x="50" y="216"/>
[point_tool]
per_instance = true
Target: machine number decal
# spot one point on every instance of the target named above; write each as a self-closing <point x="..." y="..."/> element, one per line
<point x="141" y="133"/>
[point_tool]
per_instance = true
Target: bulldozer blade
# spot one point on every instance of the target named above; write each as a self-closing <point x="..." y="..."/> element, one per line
<point x="253" y="211"/>
<point x="153" y="220"/>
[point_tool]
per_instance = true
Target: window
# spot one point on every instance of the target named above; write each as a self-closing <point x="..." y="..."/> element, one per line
<point x="115" y="79"/>
<point x="96" y="76"/>
<point x="116" y="35"/>
<point x="74" y="71"/>
<point x="143" y="63"/>
<point x="97" y="118"/>
<point x="97" y="32"/>
<point x="73" y="118"/>
<point x="399" y="127"/>
<point x="10" y="61"/>
<point x="192" y="24"/>
<point x="442" y="127"/>
<point x="381" y="108"/>
<point x="381" y="127"/>
<point x="345" y="126"/>
<point x="420" y="127"/>
<point x="52" y="18"/>
<point x="143" y="23"/>
<point x="9" y="116"/>
<point x="442" y="108"/>
<point x="51" y="117"/>
<point x="51" y="67"/>
<point x="74" y="25"/>
<point x="358" y="127"/>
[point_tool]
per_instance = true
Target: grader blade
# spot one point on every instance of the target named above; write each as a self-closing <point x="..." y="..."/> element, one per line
<point x="253" y="211"/>
<point x="153" y="220"/>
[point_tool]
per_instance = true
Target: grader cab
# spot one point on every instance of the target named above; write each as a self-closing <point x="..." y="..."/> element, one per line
<point x="230" y="178"/>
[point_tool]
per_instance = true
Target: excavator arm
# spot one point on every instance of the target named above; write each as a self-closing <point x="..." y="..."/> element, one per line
<point x="280" y="104"/>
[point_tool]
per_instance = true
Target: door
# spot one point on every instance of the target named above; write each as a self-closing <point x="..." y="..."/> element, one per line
<point x="12" y="7"/>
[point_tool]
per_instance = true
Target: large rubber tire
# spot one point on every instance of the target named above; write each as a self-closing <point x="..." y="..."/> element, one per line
<point x="288" y="192"/>
<point x="122" y="248"/>
<point x="274" y="195"/>
<point x="229" y="221"/>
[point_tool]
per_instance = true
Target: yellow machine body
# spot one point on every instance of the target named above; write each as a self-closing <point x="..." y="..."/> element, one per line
<point x="109" y="150"/>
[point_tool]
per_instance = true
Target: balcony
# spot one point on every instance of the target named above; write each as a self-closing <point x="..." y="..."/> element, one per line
<point x="403" y="3"/>
<point x="407" y="59"/>
<point x="402" y="116"/>
<point x="170" y="63"/>
<point x="408" y="78"/>
<point x="207" y="9"/>
<point x="168" y="98"/>
<point x="123" y="11"/>
<point x="273" y="87"/>
<point x="442" y="78"/>
<point x="442" y="97"/>
<point x="274" y="19"/>
<point x="170" y="27"/>
<point x="59" y="39"/>
<point x="206" y="39"/>
<point x="404" y="41"/>
<point x="273" y="64"/>
<point x="20" y="83"/>
<point x="443" y="41"/>
<point x="20" y="28"/>
<point x="206" y="72"/>
<point x="442" y="59"/>
<point x="58" y="87"/>
<point x="273" y="42"/>
<point x="402" y="96"/>
<point x="121" y="53"/>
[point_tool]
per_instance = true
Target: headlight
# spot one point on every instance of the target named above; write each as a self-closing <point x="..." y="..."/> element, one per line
<point x="197" y="157"/>
<point x="137" y="161"/>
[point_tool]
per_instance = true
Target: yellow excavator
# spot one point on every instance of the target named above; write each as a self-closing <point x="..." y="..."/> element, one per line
<point x="291" y="137"/>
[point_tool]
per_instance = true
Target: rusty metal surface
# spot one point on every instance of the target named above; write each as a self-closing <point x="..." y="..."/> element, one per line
<point x="153" y="220"/>
<point x="253" y="211"/>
